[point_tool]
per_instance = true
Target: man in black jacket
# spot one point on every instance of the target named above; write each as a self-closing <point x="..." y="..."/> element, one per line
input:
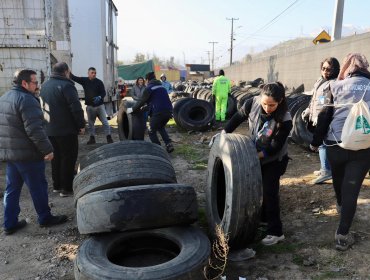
<point x="24" y="145"/>
<point x="160" y="110"/>
<point x="65" y="120"/>
<point x="94" y="95"/>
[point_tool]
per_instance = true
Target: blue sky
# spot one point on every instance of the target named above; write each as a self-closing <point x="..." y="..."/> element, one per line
<point x="183" y="28"/>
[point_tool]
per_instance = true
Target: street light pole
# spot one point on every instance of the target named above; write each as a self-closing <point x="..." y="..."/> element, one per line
<point x="232" y="38"/>
<point x="213" y="54"/>
<point x="209" y="57"/>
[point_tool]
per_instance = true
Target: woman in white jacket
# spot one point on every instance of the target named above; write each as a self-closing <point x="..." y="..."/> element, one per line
<point x="349" y="167"/>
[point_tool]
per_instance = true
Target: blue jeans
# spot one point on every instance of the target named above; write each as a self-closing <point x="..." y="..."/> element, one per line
<point x="33" y="174"/>
<point x="325" y="166"/>
<point x="92" y="113"/>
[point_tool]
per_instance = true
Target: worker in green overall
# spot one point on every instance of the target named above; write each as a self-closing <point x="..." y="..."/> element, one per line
<point x="221" y="89"/>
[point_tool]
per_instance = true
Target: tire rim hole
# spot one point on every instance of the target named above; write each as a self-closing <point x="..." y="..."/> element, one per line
<point x="125" y="126"/>
<point x="197" y="114"/>
<point x="143" y="251"/>
<point x="221" y="187"/>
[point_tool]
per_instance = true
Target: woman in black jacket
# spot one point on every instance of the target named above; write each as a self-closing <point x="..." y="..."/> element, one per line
<point x="269" y="125"/>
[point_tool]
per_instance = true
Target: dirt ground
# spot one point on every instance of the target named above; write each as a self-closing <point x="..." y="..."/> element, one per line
<point x="308" y="214"/>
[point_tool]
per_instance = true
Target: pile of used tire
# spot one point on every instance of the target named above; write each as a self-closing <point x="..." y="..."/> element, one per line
<point x="298" y="101"/>
<point x="138" y="217"/>
<point x="193" y="114"/>
<point x="234" y="188"/>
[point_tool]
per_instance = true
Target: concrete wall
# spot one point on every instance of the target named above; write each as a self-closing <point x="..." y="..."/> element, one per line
<point x="299" y="66"/>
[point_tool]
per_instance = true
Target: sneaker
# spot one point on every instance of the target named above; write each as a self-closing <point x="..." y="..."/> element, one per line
<point x="66" y="194"/>
<point x="241" y="255"/>
<point x="343" y="242"/>
<point x="272" y="239"/>
<point x="54" y="220"/>
<point x="324" y="176"/>
<point x="56" y="191"/>
<point x="170" y="148"/>
<point x="109" y="139"/>
<point x="21" y="224"/>
<point x="91" y="140"/>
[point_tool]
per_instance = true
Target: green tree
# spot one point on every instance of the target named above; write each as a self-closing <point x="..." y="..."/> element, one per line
<point x="139" y="57"/>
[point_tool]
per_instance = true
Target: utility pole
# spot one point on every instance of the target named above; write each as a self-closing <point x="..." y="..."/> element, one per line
<point x="232" y="38"/>
<point x="213" y="54"/>
<point x="338" y="20"/>
<point x="209" y="57"/>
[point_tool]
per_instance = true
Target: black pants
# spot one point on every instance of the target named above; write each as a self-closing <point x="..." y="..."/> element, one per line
<point x="157" y="123"/>
<point x="349" y="169"/>
<point x="271" y="173"/>
<point x="64" y="161"/>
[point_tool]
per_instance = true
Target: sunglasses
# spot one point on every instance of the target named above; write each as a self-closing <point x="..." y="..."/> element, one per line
<point x="35" y="83"/>
<point x="326" y="69"/>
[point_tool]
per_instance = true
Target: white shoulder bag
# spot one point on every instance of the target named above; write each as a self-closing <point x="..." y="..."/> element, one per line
<point x="356" y="128"/>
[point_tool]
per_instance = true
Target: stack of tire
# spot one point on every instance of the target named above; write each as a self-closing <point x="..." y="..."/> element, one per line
<point x="241" y="95"/>
<point x="300" y="134"/>
<point x="140" y="219"/>
<point x="193" y="114"/>
<point x="234" y="188"/>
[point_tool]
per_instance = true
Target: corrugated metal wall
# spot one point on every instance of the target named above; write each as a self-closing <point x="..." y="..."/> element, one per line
<point x="23" y="42"/>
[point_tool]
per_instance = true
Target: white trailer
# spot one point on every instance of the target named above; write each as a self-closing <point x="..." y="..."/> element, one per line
<point x="38" y="33"/>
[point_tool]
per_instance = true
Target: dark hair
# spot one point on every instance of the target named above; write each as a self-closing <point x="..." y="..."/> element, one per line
<point x="221" y="72"/>
<point x="334" y="63"/>
<point x="137" y="80"/>
<point x="92" y="69"/>
<point x="23" y="75"/>
<point x="150" y="76"/>
<point x="277" y="92"/>
<point x="60" y="68"/>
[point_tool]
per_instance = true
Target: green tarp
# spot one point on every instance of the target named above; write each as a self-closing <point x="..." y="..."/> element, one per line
<point x="133" y="71"/>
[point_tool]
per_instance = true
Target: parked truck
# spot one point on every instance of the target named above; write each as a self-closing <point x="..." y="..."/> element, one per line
<point x="38" y="33"/>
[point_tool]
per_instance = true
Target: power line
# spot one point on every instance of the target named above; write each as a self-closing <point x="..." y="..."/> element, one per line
<point x="267" y="25"/>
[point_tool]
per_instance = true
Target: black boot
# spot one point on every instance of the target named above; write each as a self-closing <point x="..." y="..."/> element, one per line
<point x="109" y="139"/>
<point x="91" y="140"/>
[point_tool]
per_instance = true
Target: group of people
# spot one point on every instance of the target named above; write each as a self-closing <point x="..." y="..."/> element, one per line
<point x="25" y="142"/>
<point x="44" y="124"/>
<point x="269" y="126"/>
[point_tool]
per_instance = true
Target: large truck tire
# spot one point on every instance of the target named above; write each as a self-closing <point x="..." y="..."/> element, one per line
<point x="300" y="132"/>
<point x="123" y="171"/>
<point x="137" y="208"/>
<point x="130" y="126"/>
<point x="176" y="108"/>
<point x="176" y="253"/>
<point x="129" y="147"/>
<point x="231" y="106"/>
<point x="197" y="115"/>
<point x="234" y="188"/>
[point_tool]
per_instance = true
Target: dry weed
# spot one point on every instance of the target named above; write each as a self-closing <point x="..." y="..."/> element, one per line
<point x="218" y="259"/>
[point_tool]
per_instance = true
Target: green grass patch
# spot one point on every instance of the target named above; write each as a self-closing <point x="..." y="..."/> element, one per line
<point x="202" y="219"/>
<point x="298" y="260"/>
<point x="329" y="275"/>
<point x="193" y="155"/>
<point x="279" y="248"/>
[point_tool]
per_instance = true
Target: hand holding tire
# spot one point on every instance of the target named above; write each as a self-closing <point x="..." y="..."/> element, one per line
<point x="305" y="115"/>
<point x="214" y="138"/>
